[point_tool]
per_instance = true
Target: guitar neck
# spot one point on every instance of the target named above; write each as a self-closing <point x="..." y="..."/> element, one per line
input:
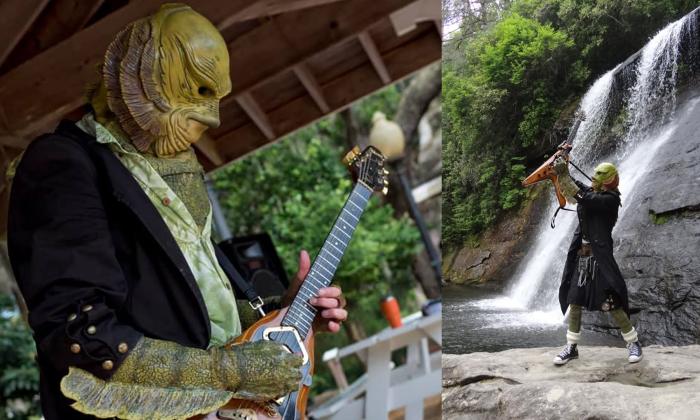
<point x="301" y="314"/>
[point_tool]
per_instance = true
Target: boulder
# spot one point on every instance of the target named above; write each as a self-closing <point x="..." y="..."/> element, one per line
<point x="601" y="384"/>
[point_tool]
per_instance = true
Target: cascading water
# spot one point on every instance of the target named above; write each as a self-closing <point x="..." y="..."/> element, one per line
<point x="532" y="298"/>
<point x="530" y="288"/>
<point x="652" y="100"/>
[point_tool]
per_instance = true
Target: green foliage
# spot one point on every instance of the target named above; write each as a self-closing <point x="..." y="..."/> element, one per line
<point x="496" y="106"/>
<point x="505" y="85"/>
<point x="19" y="376"/>
<point x="294" y="190"/>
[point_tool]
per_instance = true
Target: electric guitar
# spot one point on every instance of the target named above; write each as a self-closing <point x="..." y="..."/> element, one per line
<point x="546" y="170"/>
<point x="292" y="326"/>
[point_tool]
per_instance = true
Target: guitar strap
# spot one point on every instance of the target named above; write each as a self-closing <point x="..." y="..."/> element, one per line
<point x="249" y="291"/>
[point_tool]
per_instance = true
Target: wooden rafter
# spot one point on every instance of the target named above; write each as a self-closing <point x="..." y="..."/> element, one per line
<point x="405" y="19"/>
<point x="16" y="16"/>
<point x="339" y="92"/>
<point x="374" y="56"/>
<point x="263" y="50"/>
<point x="289" y="40"/>
<point x="59" y="20"/>
<point x="312" y="86"/>
<point x="289" y="69"/>
<point x="273" y="7"/>
<point x="207" y="146"/>
<point x="251" y="107"/>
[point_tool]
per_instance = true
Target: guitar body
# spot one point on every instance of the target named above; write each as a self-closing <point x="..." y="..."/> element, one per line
<point x="293" y="406"/>
<point x="546" y="172"/>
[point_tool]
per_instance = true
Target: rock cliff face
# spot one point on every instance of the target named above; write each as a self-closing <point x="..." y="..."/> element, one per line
<point x="658" y="242"/>
<point x="524" y="384"/>
<point x="494" y="260"/>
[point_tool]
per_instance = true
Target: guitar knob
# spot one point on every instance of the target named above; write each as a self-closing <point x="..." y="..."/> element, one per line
<point x="350" y="156"/>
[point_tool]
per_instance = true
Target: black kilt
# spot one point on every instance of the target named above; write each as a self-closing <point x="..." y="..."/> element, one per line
<point x="592" y="292"/>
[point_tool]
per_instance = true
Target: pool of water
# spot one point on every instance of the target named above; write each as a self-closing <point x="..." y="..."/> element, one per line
<point x="479" y="320"/>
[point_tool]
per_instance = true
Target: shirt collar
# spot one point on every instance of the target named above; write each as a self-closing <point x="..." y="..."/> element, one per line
<point x="89" y="125"/>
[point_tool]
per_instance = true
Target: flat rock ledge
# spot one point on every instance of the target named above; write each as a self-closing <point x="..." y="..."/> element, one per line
<point x="601" y="384"/>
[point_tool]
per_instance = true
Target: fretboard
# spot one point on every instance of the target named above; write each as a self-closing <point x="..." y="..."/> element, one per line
<point x="301" y="314"/>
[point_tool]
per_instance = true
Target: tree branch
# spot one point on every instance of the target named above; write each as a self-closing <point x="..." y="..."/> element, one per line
<point x="415" y="100"/>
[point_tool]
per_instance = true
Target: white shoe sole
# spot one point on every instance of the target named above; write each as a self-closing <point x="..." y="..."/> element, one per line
<point x="635" y="359"/>
<point x="559" y="362"/>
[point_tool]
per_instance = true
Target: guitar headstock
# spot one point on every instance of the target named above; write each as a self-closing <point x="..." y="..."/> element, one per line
<point x="368" y="168"/>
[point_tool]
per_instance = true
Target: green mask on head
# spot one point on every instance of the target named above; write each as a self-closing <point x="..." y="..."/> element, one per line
<point x="163" y="77"/>
<point x="604" y="175"/>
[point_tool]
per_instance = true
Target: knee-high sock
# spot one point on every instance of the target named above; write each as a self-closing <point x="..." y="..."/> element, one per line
<point x="629" y="334"/>
<point x="575" y="318"/>
<point x="573" y="335"/>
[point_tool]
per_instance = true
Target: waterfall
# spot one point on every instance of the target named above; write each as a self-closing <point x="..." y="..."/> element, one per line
<point x="653" y="98"/>
<point x="535" y="284"/>
<point x="650" y="105"/>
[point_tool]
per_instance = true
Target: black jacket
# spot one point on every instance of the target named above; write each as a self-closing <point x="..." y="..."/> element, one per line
<point x="81" y="232"/>
<point x="597" y="215"/>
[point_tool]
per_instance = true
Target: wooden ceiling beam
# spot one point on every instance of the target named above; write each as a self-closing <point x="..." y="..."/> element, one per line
<point x="289" y="40"/>
<point x="59" y="20"/>
<point x="374" y="56"/>
<point x="207" y="146"/>
<point x="256" y="56"/>
<point x="251" y="107"/>
<point x="16" y="17"/>
<point x="32" y="98"/>
<point x="12" y="141"/>
<point x="406" y="19"/>
<point x="339" y="93"/>
<point x="311" y="85"/>
<point x="274" y="7"/>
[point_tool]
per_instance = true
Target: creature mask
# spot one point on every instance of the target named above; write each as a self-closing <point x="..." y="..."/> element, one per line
<point x="605" y="177"/>
<point x="164" y="76"/>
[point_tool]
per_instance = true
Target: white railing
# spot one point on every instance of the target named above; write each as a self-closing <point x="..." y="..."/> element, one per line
<point x="385" y="387"/>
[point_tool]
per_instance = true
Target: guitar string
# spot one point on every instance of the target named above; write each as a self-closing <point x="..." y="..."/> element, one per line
<point x="363" y="173"/>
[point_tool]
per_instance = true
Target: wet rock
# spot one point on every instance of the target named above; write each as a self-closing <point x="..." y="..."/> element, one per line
<point x="524" y="384"/>
<point x="657" y="244"/>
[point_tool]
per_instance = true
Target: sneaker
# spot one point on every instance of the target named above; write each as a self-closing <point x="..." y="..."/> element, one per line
<point x="635" y="350"/>
<point x="569" y="353"/>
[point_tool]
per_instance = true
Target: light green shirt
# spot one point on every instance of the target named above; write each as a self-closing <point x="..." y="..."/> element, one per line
<point x="195" y="245"/>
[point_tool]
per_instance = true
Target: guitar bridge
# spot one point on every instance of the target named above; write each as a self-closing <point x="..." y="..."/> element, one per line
<point x="295" y="333"/>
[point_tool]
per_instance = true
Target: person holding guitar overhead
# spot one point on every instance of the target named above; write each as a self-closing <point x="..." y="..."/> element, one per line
<point x="109" y="237"/>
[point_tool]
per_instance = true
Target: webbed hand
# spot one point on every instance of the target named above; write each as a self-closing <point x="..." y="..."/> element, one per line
<point x="266" y="370"/>
<point x="567" y="185"/>
<point x="163" y="379"/>
<point x="561" y="166"/>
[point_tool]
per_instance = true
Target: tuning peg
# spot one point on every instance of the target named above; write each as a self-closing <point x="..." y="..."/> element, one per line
<point x="385" y="190"/>
<point x="351" y="156"/>
<point x="385" y="171"/>
<point x="386" y="182"/>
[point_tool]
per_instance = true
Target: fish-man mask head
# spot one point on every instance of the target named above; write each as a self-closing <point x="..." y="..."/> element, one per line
<point x="605" y="177"/>
<point x="162" y="79"/>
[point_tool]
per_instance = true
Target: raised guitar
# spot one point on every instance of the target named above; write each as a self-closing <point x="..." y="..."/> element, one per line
<point x="292" y="326"/>
<point x="546" y="170"/>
